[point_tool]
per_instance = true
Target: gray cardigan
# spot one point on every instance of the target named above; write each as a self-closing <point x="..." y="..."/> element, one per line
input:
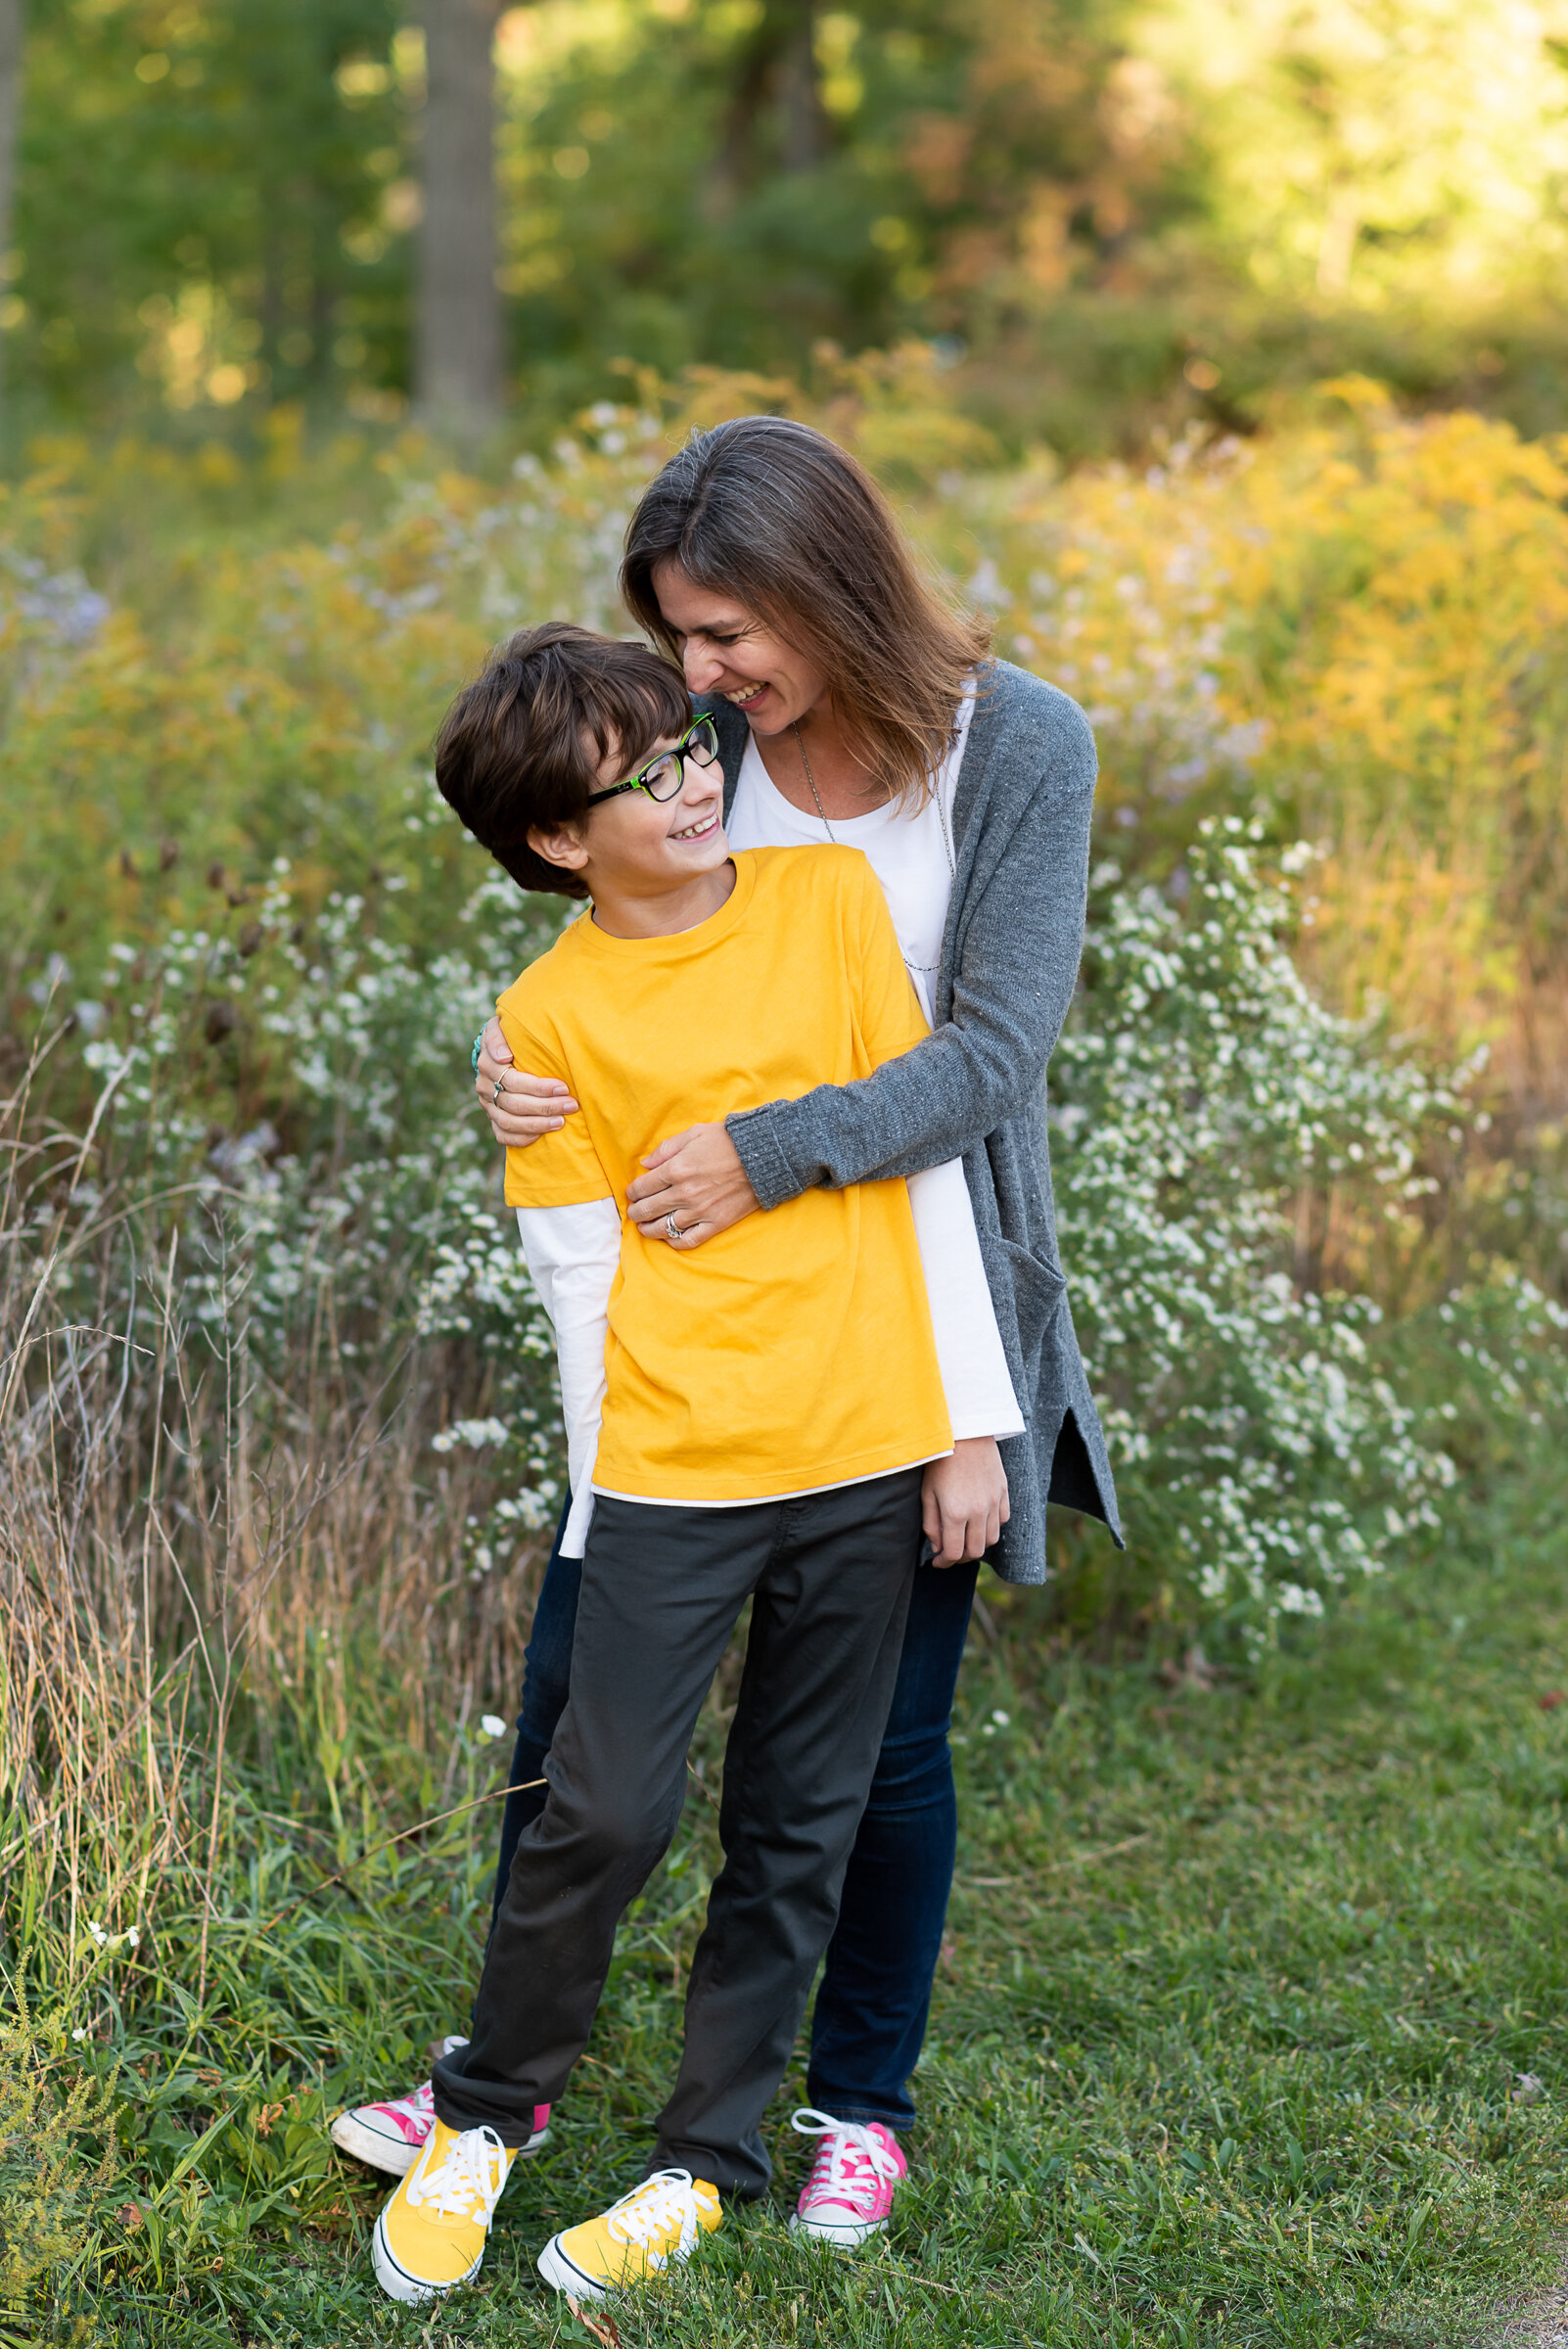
<point x="976" y="1087"/>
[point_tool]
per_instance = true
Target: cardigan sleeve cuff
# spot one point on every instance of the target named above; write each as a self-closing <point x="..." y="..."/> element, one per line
<point x="767" y="1170"/>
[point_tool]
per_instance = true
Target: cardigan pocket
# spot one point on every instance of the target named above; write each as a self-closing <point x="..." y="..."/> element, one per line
<point x="1039" y="1288"/>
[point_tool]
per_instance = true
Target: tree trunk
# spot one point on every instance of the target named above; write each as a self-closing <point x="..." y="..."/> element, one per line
<point x="458" y="371"/>
<point x="777" y="66"/>
<point x="12" y="27"/>
<point x="801" y="105"/>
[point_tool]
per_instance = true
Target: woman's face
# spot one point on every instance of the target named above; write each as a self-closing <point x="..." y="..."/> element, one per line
<point x="726" y="650"/>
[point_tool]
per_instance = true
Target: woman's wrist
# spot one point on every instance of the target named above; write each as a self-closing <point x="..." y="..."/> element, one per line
<point x="766" y="1167"/>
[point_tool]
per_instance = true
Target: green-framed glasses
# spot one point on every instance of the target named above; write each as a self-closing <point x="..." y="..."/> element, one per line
<point x="663" y="776"/>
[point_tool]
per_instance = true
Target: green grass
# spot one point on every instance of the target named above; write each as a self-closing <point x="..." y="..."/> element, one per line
<point x="1239" y="1979"/>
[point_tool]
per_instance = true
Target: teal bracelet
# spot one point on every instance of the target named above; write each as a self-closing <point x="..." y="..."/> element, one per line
<point x="479" y="1047"/>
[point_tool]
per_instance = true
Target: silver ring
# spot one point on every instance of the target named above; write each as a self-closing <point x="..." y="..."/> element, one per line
<point x="673" y="1228"/>
<point x="500" y="1087"/>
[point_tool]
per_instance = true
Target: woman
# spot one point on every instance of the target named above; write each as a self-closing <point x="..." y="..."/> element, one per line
<point x="852" y="707"/>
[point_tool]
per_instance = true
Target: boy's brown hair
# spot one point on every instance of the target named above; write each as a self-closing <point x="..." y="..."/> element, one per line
<point x="523" y="745"/>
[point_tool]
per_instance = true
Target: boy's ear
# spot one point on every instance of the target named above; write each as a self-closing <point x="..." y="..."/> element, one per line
<point x="562" y="845"/>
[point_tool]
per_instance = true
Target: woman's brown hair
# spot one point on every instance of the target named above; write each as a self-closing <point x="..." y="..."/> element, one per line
<point x="781" y="518"/>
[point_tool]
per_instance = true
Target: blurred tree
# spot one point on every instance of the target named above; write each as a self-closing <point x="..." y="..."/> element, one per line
<point x="1123" y="212"/>
<point x="950" y="165"/>
<point x="12" y="14"/>
<point x="209" y="198"/>
<point x="774" y="65"/>
<point x="458" y="328"/>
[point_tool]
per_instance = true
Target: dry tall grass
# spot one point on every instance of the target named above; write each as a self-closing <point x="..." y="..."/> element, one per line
<point x="190" y="1547"/>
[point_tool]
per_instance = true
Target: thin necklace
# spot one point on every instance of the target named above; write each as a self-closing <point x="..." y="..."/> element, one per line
<point x="812" y="780"/>
<point x="941" y="822"/>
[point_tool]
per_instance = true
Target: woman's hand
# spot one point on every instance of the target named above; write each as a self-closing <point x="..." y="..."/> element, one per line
<point x="963" y="1501"/>
<point x="697" y="1178"/>
<point x="525" y="1106"/>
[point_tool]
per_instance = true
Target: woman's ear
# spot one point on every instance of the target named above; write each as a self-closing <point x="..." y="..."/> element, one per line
<point x="562" y="845"/>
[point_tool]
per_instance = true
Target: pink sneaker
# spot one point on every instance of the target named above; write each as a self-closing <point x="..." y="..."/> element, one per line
<point x="392" y="2137"/>
<point x="848" y="2197"/>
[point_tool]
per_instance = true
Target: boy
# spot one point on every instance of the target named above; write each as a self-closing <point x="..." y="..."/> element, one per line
<point x="752" y="1423"/>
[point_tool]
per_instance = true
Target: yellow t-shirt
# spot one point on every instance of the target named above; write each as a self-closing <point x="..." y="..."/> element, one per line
<point x="796" y="1349"/>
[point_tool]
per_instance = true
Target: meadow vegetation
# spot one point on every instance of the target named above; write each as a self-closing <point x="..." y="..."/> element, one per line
<point x="1259" y="1920"/>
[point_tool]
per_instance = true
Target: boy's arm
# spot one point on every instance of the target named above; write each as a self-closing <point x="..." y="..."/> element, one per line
<point x="975" y="1377"/>
<point x="963" y="1496"/>
<point x="569" y="1225"/>
<point x="969" y="1349"/>
<point x="963" y="1501"/>
<point x="572" y="1255"/>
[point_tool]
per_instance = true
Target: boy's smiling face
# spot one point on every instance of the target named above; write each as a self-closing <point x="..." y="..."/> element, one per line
<point x="650" y="865"/>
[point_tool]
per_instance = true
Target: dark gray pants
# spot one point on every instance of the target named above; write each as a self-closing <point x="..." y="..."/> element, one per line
<point x="828" y="1576"/>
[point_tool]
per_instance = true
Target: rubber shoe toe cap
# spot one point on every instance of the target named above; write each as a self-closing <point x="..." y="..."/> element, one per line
<point x="396" y="2280"/>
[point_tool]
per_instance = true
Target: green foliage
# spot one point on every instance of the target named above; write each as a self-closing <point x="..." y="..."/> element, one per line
<point x="1126" y="216"/>
<point x="1252" y="1937"/>
<point x="187" y="179"/>
<point x="1240" y="1979"/>
<point x="1266" y="1458"/>
<point x="54" y="2184"/>
<point x="280" y="640"/>
<point x="1247" y="2031"/>
<point x="1201" y="1097"/>
<point x="1245" y="1177"/>
<point x="1359" y="621"/>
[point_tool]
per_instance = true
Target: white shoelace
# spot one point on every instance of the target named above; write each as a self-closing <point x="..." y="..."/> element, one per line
<point x="475" y="2170"/>
<point x="849" y="2142"/>
<point x="666" y="2199"/>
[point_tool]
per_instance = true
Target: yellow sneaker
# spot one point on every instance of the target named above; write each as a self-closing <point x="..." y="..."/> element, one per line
<point x="432" y="2233"/>
<point x="636" y="2238"/>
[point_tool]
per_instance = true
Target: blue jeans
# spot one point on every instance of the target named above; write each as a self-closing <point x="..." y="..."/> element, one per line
<point x="875" y="1994"/>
